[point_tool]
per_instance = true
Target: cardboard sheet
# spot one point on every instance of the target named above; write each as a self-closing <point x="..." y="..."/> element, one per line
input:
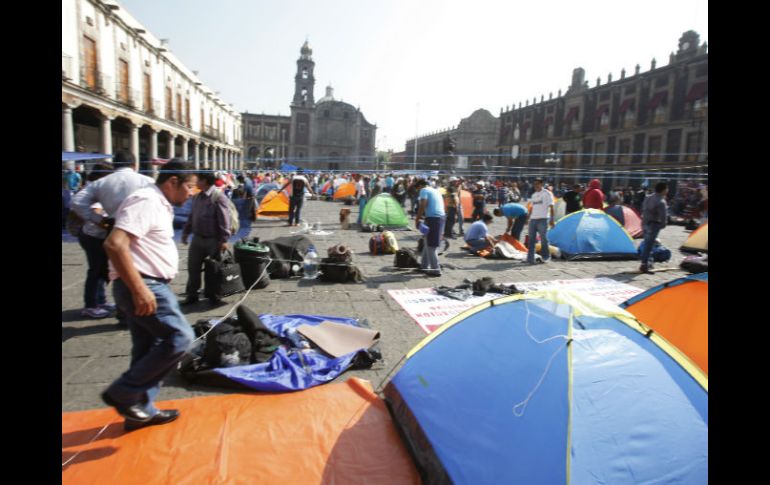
<point x="337" y="340"/>
<point x="336" y="434"/>
<point x="430" y="310"/>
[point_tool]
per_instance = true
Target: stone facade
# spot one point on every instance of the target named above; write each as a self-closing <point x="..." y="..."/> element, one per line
<point x="475" y="144"/>
<point x="655" y="119"/>
<point x="324" y="135"/>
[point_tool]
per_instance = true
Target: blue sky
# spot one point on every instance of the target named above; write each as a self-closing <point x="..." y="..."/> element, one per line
<point x="450" y="56"/>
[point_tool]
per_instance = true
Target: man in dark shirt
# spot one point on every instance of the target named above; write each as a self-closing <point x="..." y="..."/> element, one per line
<point x="479" y="202"/>
<point x="209" y="222"/>
<point x="298" y="184"/>
<point x="654" y="218"/>
<point x="572" y="199"/>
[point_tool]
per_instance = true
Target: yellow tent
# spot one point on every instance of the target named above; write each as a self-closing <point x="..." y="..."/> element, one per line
<point x="698" y="240"/>
<point x="275" y="204"/>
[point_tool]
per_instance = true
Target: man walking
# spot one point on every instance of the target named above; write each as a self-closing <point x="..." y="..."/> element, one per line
<point x="432" y="210"/>
<point x="516" y="215"/>
<point x="542" y="203"/>
<point x="654" y="218"/>
<point x="211" y="227"/>
<point x="452" y="201"/>
<point x="298" y="184"/>
<point x="143" y="261"/>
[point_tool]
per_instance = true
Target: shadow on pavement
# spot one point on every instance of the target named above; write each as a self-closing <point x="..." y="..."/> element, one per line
<point x="70" y="332"/>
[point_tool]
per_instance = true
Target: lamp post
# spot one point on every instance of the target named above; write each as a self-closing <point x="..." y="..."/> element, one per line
<point x="554" y="160"/>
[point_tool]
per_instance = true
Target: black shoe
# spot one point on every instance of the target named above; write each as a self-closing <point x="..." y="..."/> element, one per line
<point x="134" y="412"/>
<point x="190" y="300"/>
<point x="163" y="417"/>
<point x="216" y="302"/>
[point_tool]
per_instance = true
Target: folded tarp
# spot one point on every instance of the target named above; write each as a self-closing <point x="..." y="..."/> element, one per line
<point x="288" y="369"/>
<point x="340" y="433"/>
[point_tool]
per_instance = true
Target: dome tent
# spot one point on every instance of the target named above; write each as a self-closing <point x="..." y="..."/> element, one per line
<point x="543" y="380"/>
<point x="627" y="218"/>
<point x="678" y="310"/>
<point x="698" y="240"/>
<point x="274" y="204"/>
<point x="592" y="234"/>
<point x="384" y="210"/>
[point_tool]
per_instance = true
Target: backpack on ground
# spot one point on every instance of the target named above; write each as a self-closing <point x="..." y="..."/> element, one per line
<point x="377" y="244"/>
<point x="335" y="271"/>
<point x="695" y="264"/>
<point x="235" y="222"/>
<point x="391" y="243"/>
<point x="660" y="253"/>
<point x="222" y="276"/>
<point x="406" y="258"/>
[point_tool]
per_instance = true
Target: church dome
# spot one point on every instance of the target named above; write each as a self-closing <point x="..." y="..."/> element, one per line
<point x="329" y="95"/>
<point x="306" y="50"/>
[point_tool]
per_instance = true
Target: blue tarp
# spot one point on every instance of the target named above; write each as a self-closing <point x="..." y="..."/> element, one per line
<point x="288" y="369"/>
<point x="77" y="156"/>
<point x="287" y="167"/>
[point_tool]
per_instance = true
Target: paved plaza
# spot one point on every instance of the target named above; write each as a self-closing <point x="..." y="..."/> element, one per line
<point x="95" y="352"/>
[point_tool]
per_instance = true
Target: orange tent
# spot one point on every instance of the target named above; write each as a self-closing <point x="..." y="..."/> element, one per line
<point x="698" y="240"/>
<point x="275" y="204"/>
<point x="336" y="433"/>
<point x="466" y="199"/>
<point x="345" y="190"/>
<point x="678" y="311"/>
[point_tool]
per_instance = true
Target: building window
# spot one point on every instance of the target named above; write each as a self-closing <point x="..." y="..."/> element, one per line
<point x="304" y="73"/>
<point x="169" y="106"/>
<point x="301" y="127"/>
<point x="179" y="108"/>
<point x="346" y="115"/>
<point x="624" y="151"/>
<point x="326" y="113"/>
<point x="366" y="132"/>
<point x="148" y="94"/>
<point x="604" y="96"/>
<point x="628" y="118"/>
<point x="187" y="112"/>
<point x="691" y="147"/>
<point x="660" y="114"/>
<point x="604" y="121"/>
<point x="654" y="147"/>
<point x="549" y="130"/>
<point x="599" y="152"/>
<point x="122" y="81"/>
<point x="702" y="70"/>
<point x="91" y="64"/>
<point x="661" y="82"/>
<point x="630" y="90"/>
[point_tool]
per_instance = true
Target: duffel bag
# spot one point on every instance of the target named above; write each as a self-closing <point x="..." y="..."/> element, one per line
<point x="222" y="276"/>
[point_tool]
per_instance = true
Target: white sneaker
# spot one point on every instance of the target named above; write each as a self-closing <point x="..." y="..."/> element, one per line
<point x="110" y="307"/>
<point x="95" y="313"/>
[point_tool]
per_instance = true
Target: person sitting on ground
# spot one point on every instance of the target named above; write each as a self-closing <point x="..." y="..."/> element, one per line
<point x="615" y="209"/>
<point x="516" y="215"/>
<point x="477" y="236"/>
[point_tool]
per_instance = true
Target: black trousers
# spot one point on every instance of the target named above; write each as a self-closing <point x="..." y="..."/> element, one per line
<point x="295" y="206"/>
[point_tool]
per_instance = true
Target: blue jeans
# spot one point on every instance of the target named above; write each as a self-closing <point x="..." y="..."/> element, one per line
<point x="651" y="231"/>
<point x="477" y="244"/>
<point x="361" y="206"/>
<point x="538" y="226"/>
<point x="518" y="226"/>
<point x="96" y="277"/>
<point x="295" y="205"/>
<point x="159" y="343"/>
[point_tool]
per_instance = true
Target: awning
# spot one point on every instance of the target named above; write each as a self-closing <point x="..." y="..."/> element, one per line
<point x="657" y="100"/>
<point x="572" y="114"/>
<point x="77" y="156"/>
<point x="697" y="91"/>
<point x="626" y="105"/>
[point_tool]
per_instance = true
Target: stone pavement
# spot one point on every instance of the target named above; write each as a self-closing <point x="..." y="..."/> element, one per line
<point x="95" y="352"/>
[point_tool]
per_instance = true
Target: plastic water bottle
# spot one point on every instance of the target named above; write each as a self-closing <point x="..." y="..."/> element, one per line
<point x="310" y="263"/>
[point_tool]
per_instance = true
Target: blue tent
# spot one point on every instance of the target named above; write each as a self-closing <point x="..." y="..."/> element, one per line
<point x="287" y="167"/>
<point x="551" y="387"/>
<point x="592" y="234"/>
<point x="263" y="189"/>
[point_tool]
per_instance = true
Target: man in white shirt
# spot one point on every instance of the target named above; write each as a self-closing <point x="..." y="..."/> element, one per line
<point x="542" y="206"/>
<point x="143" y="261"/>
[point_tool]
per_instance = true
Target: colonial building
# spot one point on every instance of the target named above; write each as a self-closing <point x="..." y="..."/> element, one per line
<point x="653" y="119"/>
<point x="123" y="89"/>
<point x="473" y="140"/>
<point x="326" y="135"/>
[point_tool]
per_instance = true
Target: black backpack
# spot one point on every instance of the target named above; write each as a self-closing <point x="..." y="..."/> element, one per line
<point x="335" y="271"/>
<point x="406" y="258"/>
<point x="222" y="276"/>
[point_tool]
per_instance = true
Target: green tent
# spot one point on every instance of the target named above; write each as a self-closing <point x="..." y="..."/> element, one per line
<point x="385" y="210"/>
